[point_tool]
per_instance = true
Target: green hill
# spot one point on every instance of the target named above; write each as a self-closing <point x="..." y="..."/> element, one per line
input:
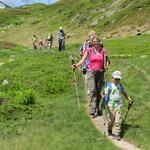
<point x="115" y="19"/>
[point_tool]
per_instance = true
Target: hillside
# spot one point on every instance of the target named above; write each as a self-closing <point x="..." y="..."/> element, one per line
<point x="111" y="18"/>
<point x="38" y="106"/>
<point x="38" y="100"/>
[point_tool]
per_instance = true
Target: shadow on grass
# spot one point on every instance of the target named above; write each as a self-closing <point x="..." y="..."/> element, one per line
<point x="126" y="127"/>
<point x="7" y="45"/>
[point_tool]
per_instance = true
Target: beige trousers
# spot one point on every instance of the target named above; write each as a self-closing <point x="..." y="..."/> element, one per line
<point x="114" y="119"/>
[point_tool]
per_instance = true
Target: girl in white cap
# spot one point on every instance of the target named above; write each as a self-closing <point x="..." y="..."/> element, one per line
<point x="114" y="91"/>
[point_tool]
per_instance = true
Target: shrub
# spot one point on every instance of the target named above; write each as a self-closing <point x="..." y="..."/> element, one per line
<point x="25" y="97"/>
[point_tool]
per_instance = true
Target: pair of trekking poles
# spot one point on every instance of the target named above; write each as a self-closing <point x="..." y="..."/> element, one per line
<point x="104" y="105"/>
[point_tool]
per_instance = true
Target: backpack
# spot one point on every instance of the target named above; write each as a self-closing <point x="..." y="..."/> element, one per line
<point x="61" y="34"/>
<point x="107" y="97"/>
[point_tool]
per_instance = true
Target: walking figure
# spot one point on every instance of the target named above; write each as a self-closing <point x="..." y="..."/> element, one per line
<point x="61" y="39"/>
<point x="113" y="98"/>
<point x="34" y="41"/>
<point x="95" y="74"/>
<point x="40" y="44"/>
<point x="50" y="40"/>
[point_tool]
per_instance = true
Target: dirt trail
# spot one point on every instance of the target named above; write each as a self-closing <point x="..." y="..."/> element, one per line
<point x="123" y="144"/>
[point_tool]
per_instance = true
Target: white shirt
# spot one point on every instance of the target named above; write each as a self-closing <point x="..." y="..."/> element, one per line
<point x="115" y="95"/>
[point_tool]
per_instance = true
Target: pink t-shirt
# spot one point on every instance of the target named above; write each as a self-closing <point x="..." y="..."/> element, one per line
<point x="96" y="60"/>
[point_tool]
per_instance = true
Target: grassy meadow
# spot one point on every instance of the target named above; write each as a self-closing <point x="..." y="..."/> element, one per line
<point x="39" y="109"/>
<point x="38" y="105"/>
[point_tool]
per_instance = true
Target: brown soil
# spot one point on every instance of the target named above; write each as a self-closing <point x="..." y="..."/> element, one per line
<point x="7" y="45"/>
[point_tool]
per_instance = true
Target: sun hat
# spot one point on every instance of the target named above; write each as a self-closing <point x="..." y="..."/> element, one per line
<point x="60" y="28"/>
<point x="116" y="75"/>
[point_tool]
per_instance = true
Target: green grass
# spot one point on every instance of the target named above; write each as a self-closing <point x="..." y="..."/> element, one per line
<point x="136" y="83"/>
<point x="54" y="121"/>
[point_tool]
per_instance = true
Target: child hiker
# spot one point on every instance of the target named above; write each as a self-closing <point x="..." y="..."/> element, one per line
<point x="114" y="91"/>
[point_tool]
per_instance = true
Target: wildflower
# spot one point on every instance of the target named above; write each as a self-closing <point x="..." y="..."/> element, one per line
<point x="5" y="82"/>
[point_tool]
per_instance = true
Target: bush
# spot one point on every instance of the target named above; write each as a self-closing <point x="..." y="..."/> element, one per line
<point x="25" y="97"/>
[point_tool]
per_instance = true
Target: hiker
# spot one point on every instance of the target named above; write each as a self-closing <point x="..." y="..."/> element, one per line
<point x="61" y="39"/>
<point x="40" y="44"/>
<point x="50" y="40"/>
<point x="114" y="91"/>
<point x="86" y="44"/>
<point x="34" y="41"/>
<point x="95" y="74"/>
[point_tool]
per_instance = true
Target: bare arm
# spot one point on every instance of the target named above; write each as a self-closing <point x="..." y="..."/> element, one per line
<point x="127" y="96"/>
<point x="81" y="61"/>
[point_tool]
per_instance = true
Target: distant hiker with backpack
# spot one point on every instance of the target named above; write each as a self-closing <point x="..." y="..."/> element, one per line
<point x="95" y="74"/>
<point x="113" y="99"/>
<point x="84" y="46"/>
<point x="34" y="41"/>
<point x="50" y="40"/>
<point x="61" y="39"/>
<point x="88" y="42"/>
<point x="40" y="44"/>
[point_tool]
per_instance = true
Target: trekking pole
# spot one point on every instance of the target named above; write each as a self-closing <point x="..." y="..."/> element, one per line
<point x="104" y="109"/>
<point x="76" y="85"/>
<point x="129" y="106"/>
<point x="104" y="118"/>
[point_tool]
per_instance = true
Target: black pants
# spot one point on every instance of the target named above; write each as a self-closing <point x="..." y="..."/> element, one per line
<point x="61" y="43"/>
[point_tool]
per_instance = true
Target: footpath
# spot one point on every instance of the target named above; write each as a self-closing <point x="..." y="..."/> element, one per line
<point x="123" y="144"/>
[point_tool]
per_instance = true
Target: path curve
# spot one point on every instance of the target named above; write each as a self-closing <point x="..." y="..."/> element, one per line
<point x="123" y="144"/>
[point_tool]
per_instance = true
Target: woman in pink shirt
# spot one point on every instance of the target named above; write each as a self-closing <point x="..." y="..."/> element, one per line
<point x="95" y="73"/>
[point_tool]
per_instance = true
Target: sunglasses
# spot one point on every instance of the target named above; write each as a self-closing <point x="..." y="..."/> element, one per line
<point x="117" y="79"/>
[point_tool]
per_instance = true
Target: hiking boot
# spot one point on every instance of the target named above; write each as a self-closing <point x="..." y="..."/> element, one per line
<point x="93" y="115"/>
<point x="109" y="132"/>
<point x="118" y="137"/>
<point x="98" y="113"/>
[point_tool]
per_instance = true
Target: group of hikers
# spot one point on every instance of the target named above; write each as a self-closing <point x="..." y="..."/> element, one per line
<point x="94" y="63"/>
<point x="48" y="43"/>
<point x="40" y="44"/>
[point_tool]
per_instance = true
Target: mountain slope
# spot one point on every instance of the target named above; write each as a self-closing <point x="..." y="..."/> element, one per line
<point x="3" y="5"/>
<point x="110" y="18"/>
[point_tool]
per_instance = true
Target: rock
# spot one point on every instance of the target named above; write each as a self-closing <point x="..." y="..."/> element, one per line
<point x="94" y="23"/>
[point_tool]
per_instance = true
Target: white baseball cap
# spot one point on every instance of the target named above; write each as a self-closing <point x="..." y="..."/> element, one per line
<point x="116" y="75"/>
